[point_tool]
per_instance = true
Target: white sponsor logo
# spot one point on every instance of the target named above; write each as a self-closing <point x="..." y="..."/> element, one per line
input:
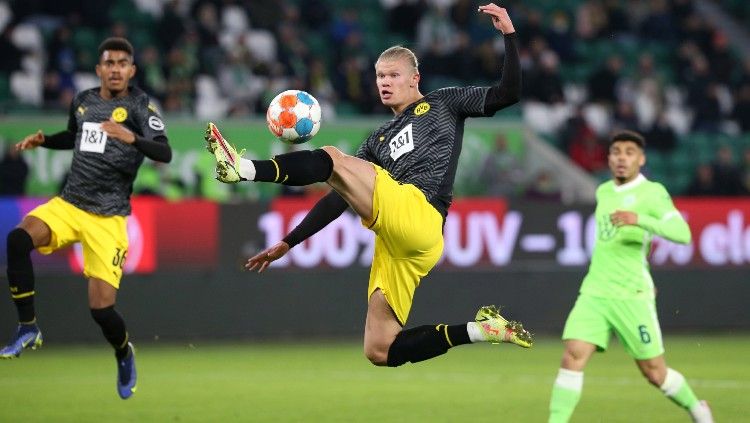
<point x="93" y="138"/>
<point x="155" y="123"/>
<point x="402" y="143"/>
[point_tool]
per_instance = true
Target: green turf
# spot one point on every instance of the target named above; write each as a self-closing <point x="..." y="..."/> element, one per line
<point x="316" y="382"/>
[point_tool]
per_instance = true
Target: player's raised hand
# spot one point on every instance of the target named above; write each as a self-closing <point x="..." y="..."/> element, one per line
<point x="500" y="18"/>
<point x="118" y="131"/>
<point x="263" y="259"/>
<point x="622" y="218"/>
<point x="31" y="141"/>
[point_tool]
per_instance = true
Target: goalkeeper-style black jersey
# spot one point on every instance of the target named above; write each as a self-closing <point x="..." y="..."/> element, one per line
<point x="102" y="172"/>
<point x="421" y="145"/>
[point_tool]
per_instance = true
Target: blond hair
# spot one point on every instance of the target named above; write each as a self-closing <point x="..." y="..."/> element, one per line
<point x="398" y="53"/>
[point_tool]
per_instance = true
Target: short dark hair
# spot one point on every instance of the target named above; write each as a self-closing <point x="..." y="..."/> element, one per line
<point x="117" y="44"/>
<point x="626" y="135"/>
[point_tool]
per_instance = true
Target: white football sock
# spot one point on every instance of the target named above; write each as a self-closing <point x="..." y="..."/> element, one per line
<point x="247" y="169"/>
<point x="569" y="379"/>
<point x="701" y="413"/>
<point x="475" y="332"/>
<point x="672" y="382"/>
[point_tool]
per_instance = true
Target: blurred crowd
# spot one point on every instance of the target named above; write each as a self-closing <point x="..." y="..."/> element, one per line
<point x="590" y="66"/>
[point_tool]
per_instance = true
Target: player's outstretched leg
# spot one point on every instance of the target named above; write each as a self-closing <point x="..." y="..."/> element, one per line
<point x="126" y="374"/>
<point x="496" y="329"/>
<point x="425" y="342"/>
<point x="297" y="168"/>
<point x="28" y="335"/>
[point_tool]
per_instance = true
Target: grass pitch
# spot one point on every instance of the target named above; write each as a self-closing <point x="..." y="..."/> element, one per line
<point x="333" y="382"/>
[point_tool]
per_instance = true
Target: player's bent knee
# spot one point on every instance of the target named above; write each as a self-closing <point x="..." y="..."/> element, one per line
<point x="377" y="356"/>
<point x="573" y="359"/>
<point x="332" y="151"/>
<point x="338" y="157"/>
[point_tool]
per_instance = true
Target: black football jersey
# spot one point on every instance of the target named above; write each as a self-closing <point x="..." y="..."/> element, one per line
<point x="421" y="145"/>
<point x="102" y="172"/>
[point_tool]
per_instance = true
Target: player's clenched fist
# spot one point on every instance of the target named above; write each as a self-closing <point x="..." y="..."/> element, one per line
<point x="31" y="141"/>
<point x="500" y="18"/>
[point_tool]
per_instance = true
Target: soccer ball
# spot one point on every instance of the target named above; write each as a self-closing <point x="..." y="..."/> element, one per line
<point x="294" y="116"/>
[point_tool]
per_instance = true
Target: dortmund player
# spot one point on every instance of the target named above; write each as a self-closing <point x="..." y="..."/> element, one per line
<point x="111" y="129"/>
<point x="617" y="295"/>
<point x="400" y="184"/>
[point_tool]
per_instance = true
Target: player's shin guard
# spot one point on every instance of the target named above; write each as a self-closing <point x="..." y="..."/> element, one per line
<point x="113" y="328"/>
<point x="296" y="169"/>
<point x="21" y="273"/>
<point x="565" y="395"/>
<point x="676" y="388"/>
<point x="425" y="342"/>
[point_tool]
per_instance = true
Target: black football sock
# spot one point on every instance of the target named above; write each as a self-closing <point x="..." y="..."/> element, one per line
<point x="425" y="342"/>
<point x="296" y="169"/>
<point x="21" y="273"/>
<point x="113" y="328"/>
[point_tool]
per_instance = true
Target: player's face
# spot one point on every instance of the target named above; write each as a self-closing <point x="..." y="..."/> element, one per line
<point x="625" y="160"/>
<point x="397" y="81"/>
<point x="115" y="69"/>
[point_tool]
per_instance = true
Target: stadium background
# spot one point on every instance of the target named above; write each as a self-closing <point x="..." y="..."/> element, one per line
<point x="520" y="232"/>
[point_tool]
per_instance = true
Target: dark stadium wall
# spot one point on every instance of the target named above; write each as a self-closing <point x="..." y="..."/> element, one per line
<point x="186" y="283"/>
<point x="481" y="234"/>
<point x="293" y="304"/>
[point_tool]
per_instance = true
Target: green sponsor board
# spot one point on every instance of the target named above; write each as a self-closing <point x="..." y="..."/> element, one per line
<point x="191" y="171"/>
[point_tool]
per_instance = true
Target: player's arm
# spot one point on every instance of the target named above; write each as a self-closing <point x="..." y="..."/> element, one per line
<point x="157" y="149"/>
<point x="63" y="140"/>
<point x="325" y="211"/>
<point x="663" y="219"/>
<point x="508" y="91"/>
<point x="153" y="143"/>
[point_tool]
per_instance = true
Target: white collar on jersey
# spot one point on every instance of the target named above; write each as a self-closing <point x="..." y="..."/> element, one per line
<point x="632" y="184"/>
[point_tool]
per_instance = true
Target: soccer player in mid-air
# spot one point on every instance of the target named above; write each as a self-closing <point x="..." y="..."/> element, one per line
<point x="400" y="184"/>
<point x="618" y="295"/>
<point x="111" y="129"/>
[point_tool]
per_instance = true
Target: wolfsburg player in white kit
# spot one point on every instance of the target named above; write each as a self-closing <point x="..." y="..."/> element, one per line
<point x="617" y="295"/>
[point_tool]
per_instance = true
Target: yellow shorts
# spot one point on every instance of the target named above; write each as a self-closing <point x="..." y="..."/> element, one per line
<point x="408" y="241"/>
<point x="104" y="238"/>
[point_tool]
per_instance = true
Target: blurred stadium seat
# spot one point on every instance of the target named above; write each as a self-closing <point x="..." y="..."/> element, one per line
<point x="276" y="41"/>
